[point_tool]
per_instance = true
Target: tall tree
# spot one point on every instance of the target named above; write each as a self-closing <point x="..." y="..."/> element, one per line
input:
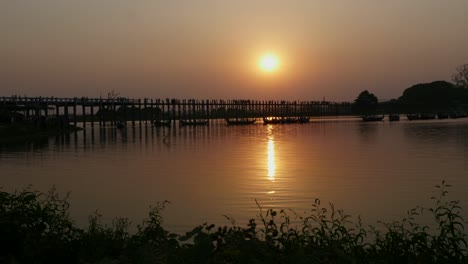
<point x="461" y="76"/>
<point x="366" y="103"/>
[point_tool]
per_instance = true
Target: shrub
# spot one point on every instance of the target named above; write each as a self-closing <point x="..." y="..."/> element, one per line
<point x="35" y="227"/>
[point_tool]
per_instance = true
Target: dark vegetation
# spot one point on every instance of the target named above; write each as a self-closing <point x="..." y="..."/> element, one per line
<point x="35" y="227"/>
<point x="365" y="103"/>
<point x="439" y="96"/>
<point x="32" y="129"/>
<point x="435" y="97"/>
<point x="460" y="78"/>
<point x="16" y="126"/>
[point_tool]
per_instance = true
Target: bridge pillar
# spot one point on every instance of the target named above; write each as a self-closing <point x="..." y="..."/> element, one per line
<point x="83" y="113"/>
<point x="92" y="114"/>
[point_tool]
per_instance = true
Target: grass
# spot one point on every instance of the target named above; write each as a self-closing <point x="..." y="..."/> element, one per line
<point x="36" y="227"/>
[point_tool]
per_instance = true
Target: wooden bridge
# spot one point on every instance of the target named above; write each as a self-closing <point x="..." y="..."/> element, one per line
<point x="100" y="111"/>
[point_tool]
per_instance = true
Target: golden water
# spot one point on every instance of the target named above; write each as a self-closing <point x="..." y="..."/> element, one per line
<point x="377" y="170"/>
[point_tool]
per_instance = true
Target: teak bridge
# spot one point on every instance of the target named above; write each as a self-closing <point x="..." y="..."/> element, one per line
<point x="113" y="110"/>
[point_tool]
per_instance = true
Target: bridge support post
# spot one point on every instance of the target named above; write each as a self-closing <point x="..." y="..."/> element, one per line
<point x="83" y="113"/>
<point x="74" y="112"/>
<point x="92" y="114"/>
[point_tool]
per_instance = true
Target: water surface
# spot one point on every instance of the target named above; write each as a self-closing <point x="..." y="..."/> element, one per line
<point x="378" y="170"/>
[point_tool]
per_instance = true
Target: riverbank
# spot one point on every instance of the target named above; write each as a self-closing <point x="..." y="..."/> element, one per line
<point x="36" y="228"/>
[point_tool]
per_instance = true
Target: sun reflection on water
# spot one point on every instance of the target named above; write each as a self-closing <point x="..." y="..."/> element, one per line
<point x="271" y="156"/>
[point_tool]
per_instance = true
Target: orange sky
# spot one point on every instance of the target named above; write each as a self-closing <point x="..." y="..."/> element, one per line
<point x="209" y="49"/>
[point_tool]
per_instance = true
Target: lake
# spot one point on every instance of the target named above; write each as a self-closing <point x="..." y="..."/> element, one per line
<point x="375" y="169"/>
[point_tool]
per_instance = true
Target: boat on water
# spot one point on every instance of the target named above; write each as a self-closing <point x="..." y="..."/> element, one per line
<point x="193" y="122"/>
<point x="412" y="117"/>
<point x="303" y="119"/>
<point x="286" y="120"/>
<point x="271" y="120"/>
<point x="425" y="116"/>
<point x="394" y="117"/>
<point x="159" y="123"/>
<point x="428" y="116"/>
<point x="456" y="114"/>
<point x="289" y="120"/>
<point x="372" y="118"/>
<point x="240" y="121"/>
<point x="442" y="115"/>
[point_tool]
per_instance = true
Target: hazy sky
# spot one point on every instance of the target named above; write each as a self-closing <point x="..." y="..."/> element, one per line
<point x="210" y="49"/>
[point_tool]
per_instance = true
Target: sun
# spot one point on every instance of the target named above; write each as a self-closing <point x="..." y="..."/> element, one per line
<point x="269" y="63"/>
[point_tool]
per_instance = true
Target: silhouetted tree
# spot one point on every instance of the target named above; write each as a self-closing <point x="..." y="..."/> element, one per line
<point x="434" y="96"/>
<point x="365" y="103"/>
<point x="461" y="77"/>
<point x="113" y="94"/>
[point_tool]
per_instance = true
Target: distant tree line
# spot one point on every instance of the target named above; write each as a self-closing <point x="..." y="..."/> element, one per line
<point x="434" y="97"/>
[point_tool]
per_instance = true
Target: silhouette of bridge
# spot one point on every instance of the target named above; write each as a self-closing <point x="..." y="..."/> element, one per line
<point x="102" y="110"/>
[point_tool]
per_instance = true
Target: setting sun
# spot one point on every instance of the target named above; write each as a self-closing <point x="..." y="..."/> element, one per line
<point x="269" y="63"/>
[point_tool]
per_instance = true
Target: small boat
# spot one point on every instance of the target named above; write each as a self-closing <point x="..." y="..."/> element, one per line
<point x="412" y="117"/>
<point x="271" y="120"/>
<point x="394" y="117"/>
<point x="159" y="123"/>
<point x="420" y="116"/>
<point x="372" y="118"/>
<point x="442" y="116"/>
<point x="242" y="121"/>
<point x="289" y="120"/>
<point x="303" y="119"/>
<point x="457" y="114"/>
<point x="427" y="116"/>
<point x="193" y="122"/>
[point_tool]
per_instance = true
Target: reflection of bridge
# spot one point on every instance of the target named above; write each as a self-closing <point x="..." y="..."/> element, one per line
<point x="98" y="110"/>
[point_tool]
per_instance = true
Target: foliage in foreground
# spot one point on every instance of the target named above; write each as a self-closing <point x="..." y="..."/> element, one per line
<point x="36" y="228"/>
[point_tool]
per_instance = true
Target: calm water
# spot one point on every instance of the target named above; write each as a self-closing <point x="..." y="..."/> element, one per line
<point x="378" y="170"/>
